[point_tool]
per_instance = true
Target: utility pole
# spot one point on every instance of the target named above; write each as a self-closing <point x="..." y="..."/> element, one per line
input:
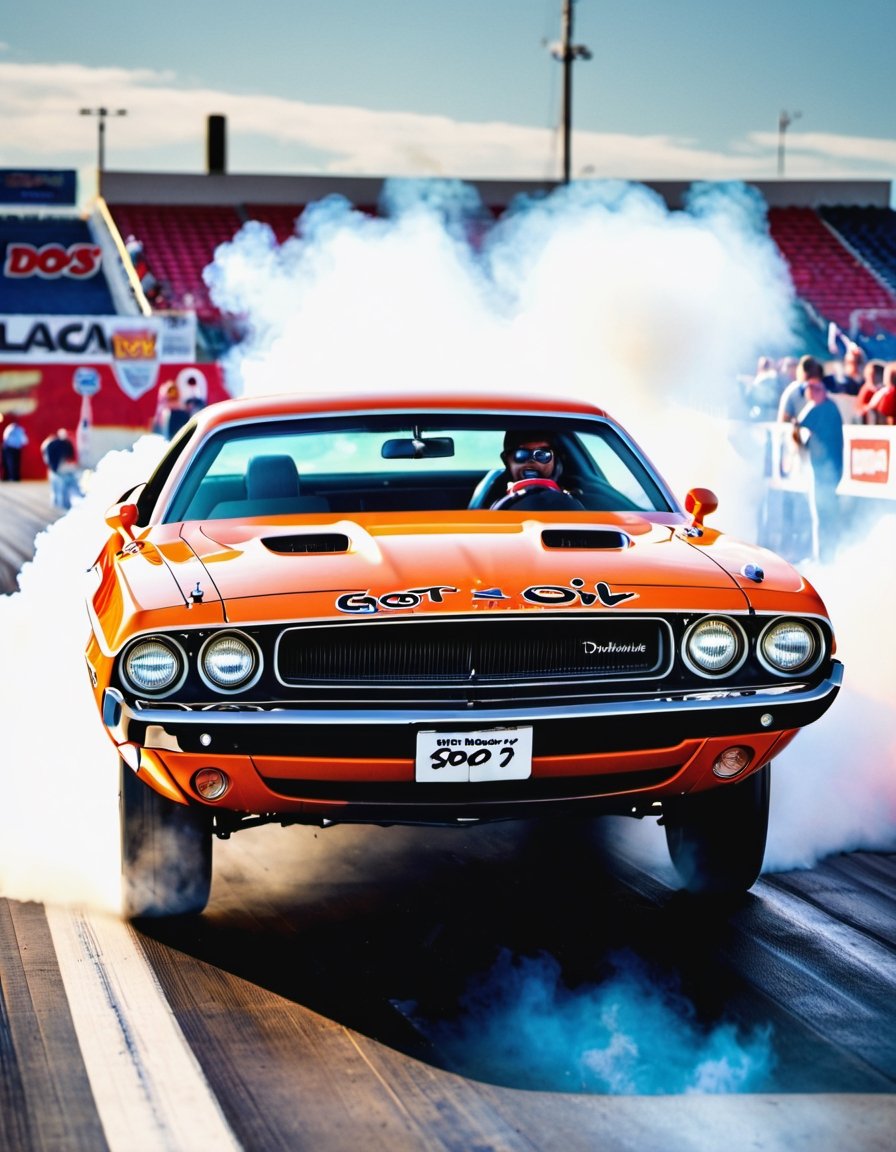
<point x="567" y="52"/>
<point x="102" y="114"/>
<point x="784" y="122"/>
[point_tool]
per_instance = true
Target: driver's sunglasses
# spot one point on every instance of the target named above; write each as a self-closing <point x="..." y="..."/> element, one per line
<point x="539" y="455"/>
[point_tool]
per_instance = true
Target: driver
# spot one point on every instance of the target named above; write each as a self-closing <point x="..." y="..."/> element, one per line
<point x="533" y="470"/>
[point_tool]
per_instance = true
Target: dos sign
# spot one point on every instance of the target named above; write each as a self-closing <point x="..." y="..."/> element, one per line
<point x="51" y="261"/>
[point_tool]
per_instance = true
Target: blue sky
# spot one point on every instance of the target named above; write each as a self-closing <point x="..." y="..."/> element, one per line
<point x="675" y="89"/>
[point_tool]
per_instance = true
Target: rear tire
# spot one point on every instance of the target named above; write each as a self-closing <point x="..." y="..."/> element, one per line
<point x="166" y="852"/>
<point x="717" y="838"/>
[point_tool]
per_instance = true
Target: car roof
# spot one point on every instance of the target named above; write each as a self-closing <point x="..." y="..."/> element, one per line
<point x="334" y="403"/>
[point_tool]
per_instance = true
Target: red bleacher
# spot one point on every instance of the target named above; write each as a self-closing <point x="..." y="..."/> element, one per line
<point x="179" y="241"/>
<point x="824" y="272"/>
<point x="281" y="217"/>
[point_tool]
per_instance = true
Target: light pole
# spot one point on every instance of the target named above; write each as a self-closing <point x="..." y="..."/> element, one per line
<point x="784" y="122"/>
<point x="102" y="114"/>
<point x="567" y="52"/>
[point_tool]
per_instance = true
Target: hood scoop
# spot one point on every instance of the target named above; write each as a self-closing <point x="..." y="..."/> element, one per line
<point x="307" y="543"/>
<point x="592" y="539"/>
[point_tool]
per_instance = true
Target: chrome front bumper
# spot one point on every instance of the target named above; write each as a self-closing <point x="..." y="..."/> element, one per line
<point x="284" y="730"/>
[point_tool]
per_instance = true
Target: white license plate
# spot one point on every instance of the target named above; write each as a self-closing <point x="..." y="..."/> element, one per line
<point x="461" y="757"/>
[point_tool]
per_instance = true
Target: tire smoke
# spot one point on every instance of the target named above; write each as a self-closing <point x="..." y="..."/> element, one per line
<point x="59" y="818"/>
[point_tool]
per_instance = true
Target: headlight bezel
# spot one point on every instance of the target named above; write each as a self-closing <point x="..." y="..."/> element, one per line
<point x="176" y="651"/>
<point x="740" y="641"/>
<point x="251" y="677"/>
<point x="810" y="664"/>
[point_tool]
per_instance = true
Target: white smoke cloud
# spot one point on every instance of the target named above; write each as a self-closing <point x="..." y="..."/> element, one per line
<point x="59" y="816"/>
<point x="597" y="290"/>
<point x="834" y="788"/>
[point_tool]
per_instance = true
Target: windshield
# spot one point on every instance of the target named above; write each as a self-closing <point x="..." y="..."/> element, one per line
<point x="401" y="462"/>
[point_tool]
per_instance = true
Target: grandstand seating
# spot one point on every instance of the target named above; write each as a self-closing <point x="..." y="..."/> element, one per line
<point x="870" y="232"/>
<point x="179" y="241"/>
<point x="842" y="260"/>
<point x="825" y="273"/>
<point x="281" y="218"/>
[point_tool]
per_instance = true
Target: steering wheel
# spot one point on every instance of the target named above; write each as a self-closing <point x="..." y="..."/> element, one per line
<point x="488" y="489"/>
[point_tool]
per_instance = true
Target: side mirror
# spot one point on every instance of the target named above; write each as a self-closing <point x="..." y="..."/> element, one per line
<point x="700" y="502"/>
<point x="122" y="518"/>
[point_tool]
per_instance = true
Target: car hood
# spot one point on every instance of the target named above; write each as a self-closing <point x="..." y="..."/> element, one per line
<point x="462" y="562"/>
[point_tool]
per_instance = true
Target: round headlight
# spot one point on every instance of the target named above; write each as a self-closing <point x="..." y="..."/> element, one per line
<point x="152" y="666"/>
<point x="228" y="662"/>
<point x="788" y="646"/>
<point x="713" y="646"/>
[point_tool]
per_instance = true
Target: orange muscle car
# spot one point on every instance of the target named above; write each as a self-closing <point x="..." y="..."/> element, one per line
<point x="438" y="609"/>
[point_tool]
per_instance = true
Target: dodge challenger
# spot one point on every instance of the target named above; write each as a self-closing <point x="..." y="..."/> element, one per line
<point x="444" y="610"/>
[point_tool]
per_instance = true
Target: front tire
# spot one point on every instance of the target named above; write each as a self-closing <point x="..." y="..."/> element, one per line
<point x="166" y="852"/>
<point x="717" y="838"/>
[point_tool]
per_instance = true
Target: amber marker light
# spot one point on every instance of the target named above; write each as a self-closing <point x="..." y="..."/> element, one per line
<point x="732" y="762"/>
<point x="210" y="783"/>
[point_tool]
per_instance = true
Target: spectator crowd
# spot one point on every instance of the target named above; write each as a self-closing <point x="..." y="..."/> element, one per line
<point x="816" y="398"/>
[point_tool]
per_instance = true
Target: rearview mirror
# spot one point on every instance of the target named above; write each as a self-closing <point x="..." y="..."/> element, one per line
<point x="412" y="448"/>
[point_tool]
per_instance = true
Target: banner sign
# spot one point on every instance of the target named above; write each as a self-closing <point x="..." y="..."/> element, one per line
<point x="51" y="266"/>
<point x="37" y="186"/>
<point x="134" y="346"/>
<point x="88" y="397"/>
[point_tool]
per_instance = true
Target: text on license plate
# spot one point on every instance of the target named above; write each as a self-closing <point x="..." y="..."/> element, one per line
<point x="457" y="757"/>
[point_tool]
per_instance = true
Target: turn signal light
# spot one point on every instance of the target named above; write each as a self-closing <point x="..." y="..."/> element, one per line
<point x="210" y="783"/>
<point x="732" y="762"/>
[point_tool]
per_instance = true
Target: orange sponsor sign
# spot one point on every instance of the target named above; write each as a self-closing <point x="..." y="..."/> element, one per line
<point x="869" y="461"/>
<point x="134" y="344"/>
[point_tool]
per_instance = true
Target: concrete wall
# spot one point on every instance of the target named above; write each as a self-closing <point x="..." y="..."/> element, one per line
<point x="197" y="188"/>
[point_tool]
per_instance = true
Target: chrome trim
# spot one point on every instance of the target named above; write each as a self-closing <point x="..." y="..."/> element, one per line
<point x="729" y="669"/>
<point x="711" y="700"/>
<point x="164" y="639"/>
<point x="250" y="680"/>
<point x="112" y="709"/>
<point x="811" y="665"/>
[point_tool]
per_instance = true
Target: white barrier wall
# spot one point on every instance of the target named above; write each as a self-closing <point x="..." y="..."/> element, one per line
<point x="868" y="454"/>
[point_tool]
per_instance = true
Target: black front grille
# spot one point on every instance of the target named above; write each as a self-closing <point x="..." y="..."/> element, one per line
<point x="469" y="652"/>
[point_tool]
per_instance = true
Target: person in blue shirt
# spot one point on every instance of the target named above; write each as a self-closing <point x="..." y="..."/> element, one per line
<point x="819" y="428"/>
